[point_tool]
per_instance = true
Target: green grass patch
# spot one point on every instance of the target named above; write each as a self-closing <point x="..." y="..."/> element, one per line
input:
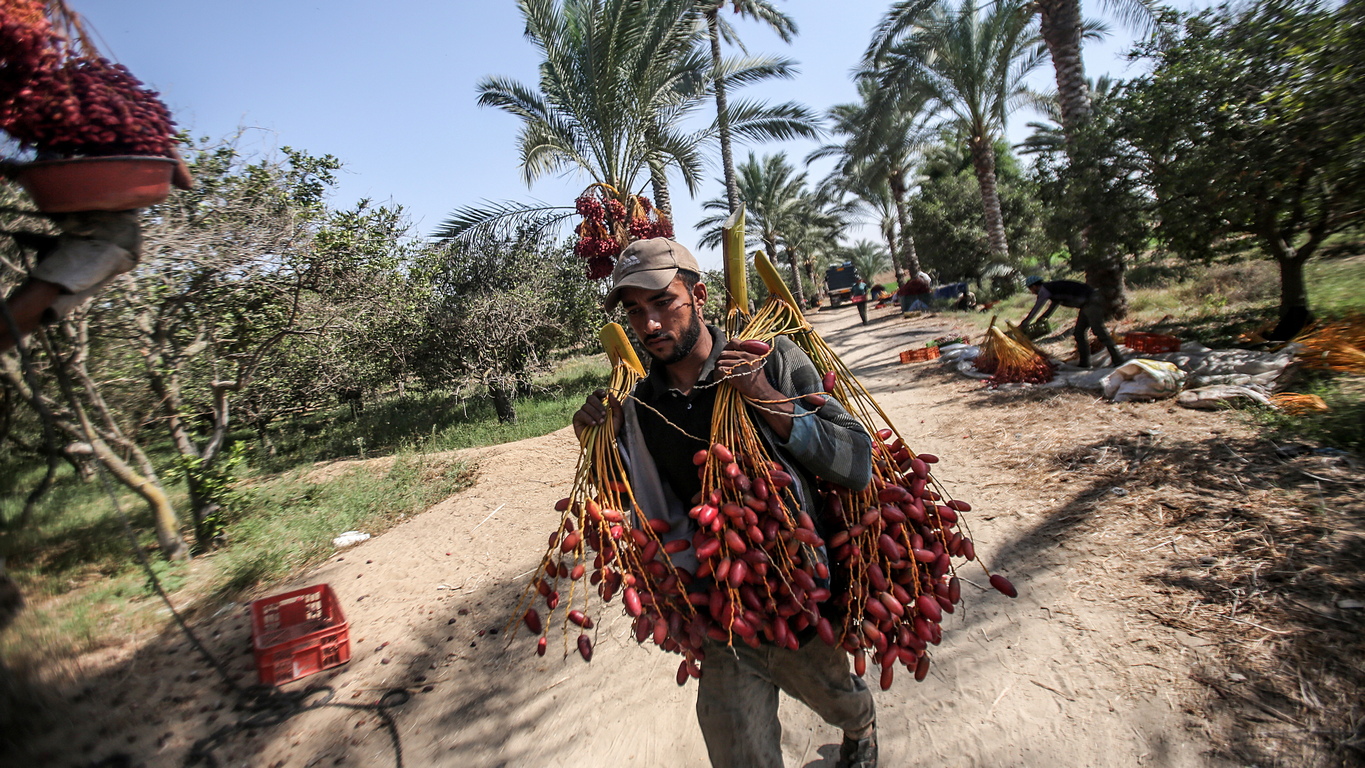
<point x="287" y="524"/>
<point x="86" y="589"/>
<point x="433" y="421"/>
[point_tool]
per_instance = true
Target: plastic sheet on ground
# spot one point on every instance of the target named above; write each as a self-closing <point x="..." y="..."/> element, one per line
<point x="1222" y="374"/>
<point x="1218" y="395"/>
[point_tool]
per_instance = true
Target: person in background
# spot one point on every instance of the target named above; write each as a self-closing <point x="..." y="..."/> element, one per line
<point x="966" y="302"/>
<point x="1090" y="314"/>
<point x="859" y="296"/>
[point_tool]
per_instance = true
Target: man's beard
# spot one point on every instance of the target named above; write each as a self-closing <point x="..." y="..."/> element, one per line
<point x="685" y="344"/>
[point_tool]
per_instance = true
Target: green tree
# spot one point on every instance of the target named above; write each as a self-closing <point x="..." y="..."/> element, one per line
<point x="1093" y="190"/>
<point x="972" y="64"/>
<point x="1062" y="31"/>
<point x="499" y="311"/>
<point x="1252" y="127"/>
<point x="956" y="246"/>
<point x="241" y="277"/>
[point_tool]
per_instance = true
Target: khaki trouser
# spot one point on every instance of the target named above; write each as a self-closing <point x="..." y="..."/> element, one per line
<point x="737" y="698"/>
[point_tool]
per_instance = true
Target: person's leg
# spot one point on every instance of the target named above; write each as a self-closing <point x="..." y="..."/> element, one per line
<point x="818" y="676"/>
<point x="737" y="708"/>
<point x="862" y="310"/>
<point x="1094" y="312"/>
<point x="1082" y="343"/>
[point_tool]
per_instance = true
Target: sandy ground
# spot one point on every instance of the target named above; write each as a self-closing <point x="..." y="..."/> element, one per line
<point x="1072" y="673"/>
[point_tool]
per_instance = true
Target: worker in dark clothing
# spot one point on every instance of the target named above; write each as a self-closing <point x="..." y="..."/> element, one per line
<point x="1079" y="296"/>
<point x="859" y="294"/>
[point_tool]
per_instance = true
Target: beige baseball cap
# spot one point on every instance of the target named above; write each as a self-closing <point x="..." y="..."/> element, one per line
<point x="650" y="264"/>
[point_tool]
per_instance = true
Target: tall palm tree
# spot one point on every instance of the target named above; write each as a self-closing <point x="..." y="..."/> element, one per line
<point x="775" y="201"/>
<point x="972" y="64"/>
<point x="881" y="136"/>
<point x="617" y="80"/>
<point x="717" y="28"/>
<point x="1061" y="28"/>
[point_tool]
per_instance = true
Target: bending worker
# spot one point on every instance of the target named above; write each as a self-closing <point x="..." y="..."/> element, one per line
<point x="658" y="283"/>
<point x="1079" y="296"/>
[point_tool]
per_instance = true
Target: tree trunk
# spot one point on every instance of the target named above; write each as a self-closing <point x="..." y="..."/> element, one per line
<point x="983" y="160"/>
<point x="909" y="258"/>
<point x="889" y="227"/>
<point x="727" y="157"/>
<point x="1293" y="287"/>
<point x="163" y="515"/>
<point x="810" y="274"/>
<point x="658" y="181"/>
<point x="1060" y="24"/>
<point x="1105" y="274"/>
<point x="503" y="403"/>
<point x="798" y="289"/>
<point x="77" y="426"/>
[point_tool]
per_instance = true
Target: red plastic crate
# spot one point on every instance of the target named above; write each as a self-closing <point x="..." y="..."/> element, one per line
<point x="919" y="355"/>
<point x="297" y="633"/>
<point x="1151" y="343"/>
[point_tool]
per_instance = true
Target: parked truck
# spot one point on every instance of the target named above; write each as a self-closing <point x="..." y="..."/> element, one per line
<point x="839" y="280"/>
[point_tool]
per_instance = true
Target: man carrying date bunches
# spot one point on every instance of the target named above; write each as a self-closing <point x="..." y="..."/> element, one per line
<point x="658" y="283"/>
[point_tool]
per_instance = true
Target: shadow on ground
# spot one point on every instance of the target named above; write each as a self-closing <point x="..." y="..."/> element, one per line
<point x="1269" y="567"/>
<point x="165" y="705"/>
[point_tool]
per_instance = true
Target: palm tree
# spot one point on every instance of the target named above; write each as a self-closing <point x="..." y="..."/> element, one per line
<point x="972" y="65"/>
<point x="866" y="199"/>
<point x="717" y="28"/>
<point x="813" y="237"/>
<point x="881" y="135"/>
<point x="1062" y="30"/>
<point x="869" y="259"/>
<point x="617" y="80"/>
<point x="775" y="201"/>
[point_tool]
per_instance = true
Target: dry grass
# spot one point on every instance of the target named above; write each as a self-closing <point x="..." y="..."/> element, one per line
<point x="1204" y="529"/>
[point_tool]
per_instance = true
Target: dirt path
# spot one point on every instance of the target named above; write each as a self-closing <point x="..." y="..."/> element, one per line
<point x="1072" y="673"/>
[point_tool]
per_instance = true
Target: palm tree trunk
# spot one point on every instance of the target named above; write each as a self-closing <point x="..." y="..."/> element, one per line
<point x="1060" y="22"/>
<point x="1105" y="274"/>
<point x="983" y="160"/>
<point x="909" y="258"/>
<point x="658" y="181"/>
<point x="798" y="287"/>
<point x="722" y="113"/>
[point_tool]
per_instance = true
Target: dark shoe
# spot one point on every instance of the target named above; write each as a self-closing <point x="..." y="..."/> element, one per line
<point x="858" y="753"/>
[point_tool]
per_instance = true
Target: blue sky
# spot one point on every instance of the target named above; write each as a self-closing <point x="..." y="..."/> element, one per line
<point x="389" y="88"/>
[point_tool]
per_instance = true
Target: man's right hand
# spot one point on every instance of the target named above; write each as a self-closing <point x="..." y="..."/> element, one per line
<point x="594" y="412"/>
